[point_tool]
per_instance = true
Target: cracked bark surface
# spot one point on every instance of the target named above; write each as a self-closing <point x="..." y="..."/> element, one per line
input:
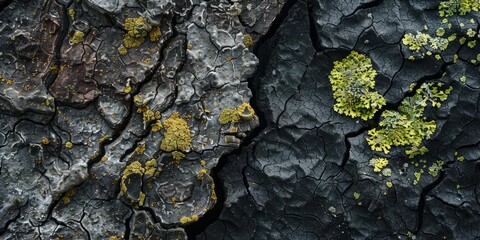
<point x="306" y="173"/>
<point x="86" y="101"/>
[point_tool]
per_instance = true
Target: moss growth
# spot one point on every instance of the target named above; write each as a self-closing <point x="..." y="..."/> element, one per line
<point x="235" y="115"/>
<point x="378" y="164"/>
<point x="177" y="134"/>
<point x="185" y="219"/>
<point x="77" y="37"/>
<point x="407" y="126"/>
<point x="353" y="79"/>
<point x="247" y="40"/>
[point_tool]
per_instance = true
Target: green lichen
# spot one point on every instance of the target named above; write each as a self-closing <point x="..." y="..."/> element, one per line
<point x="356" y="195"/>
<point x="235" y="115"/>
<point x="68" y="144"/>
<point x="353" y="82"/>
<point x="435" y="168"/>
<point x="77" y="37"/>
<point x="137" y="29"/>
<point x="136" y="168"/>
<point x="71" y="13"/>
<point x="461" y="7"/>
<point x="418" y="176"/>
<point x="122" y="50"/>
<point x="408" y="126"/>
<point x="177" y="134"/>
<point x="414" y="151"/>
<point x="247" y="40"/>
<point x="423" y="40"/>
<point x="155" y="34"/>
<point x="185" y="219"/>
<point x="378" y="164"/>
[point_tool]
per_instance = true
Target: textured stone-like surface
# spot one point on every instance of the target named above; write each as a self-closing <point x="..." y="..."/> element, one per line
<point x="89" y="105"/>
<point x="81" y="103"/>
<point x="306" y="174"/>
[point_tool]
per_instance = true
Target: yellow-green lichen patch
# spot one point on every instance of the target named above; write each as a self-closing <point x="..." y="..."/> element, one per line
<point x="137" y="29"/>
<point x="71" y="13"/>
<point x="423" y="40"/>
<point x="408" y="126"/>
<point x="69" y="145"/>
<point x="247" y="40"/>
<point x="414" y="151"/>
<point x="122" y="50"/>
<point x="435" y="168"/>
<point x="176" y="134"/>
<point x="459" y="157"/>
<point x="135" y="168"/>
<point x="235" y="115"/>
<point x="378" y="164"/>
<point x="185" y="219"/>
<point x="127" y="89"/>
<point x="389" y="184"/>
<point x="353" y="82"/>
<point x="418" y="176"/>
<point x="177" y="156"/>
<point x="68" y="196"/>
<point x="449" y="8"/>
<point x="140" y="149"/>
<point x="156" y="126"/>
<point x="155" y="34"/>
<point x="148" y="115"/>
<point x="151" y="167"/>
<point x="356" y="195"/>
<point x="77" y="37"/>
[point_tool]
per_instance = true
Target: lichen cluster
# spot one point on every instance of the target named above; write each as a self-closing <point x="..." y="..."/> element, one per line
<point x="378" y="164"/>
<point x="136" y="168"/>
<point x="235" y="115"/>
<point x="424" y="40"/>
<point x="78" y="37"/>
<point x="177" y="136"/>
<point x="462" y="7"/>
<point x="408" y="126"/>
<point x="137" y="30"/>
<point x="427" y="44"/>
<point x="353" y="82"/>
